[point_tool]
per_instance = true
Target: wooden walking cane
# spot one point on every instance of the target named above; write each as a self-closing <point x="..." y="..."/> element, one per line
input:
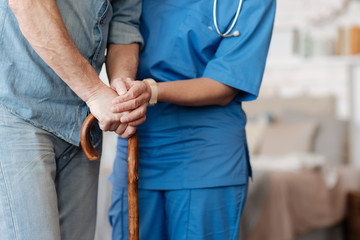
<point x="133" y="150"/>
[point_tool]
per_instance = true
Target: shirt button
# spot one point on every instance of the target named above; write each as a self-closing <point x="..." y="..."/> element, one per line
<point x="101" y="21"/>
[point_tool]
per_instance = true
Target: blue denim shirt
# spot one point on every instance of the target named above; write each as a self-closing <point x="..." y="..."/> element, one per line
<point x="32" y="90"/>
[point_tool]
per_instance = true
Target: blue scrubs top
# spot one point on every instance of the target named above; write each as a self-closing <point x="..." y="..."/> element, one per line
<point x="197" y="147"/>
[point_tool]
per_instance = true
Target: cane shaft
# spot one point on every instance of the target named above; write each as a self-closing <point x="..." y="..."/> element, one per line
<point x="133" y="177"/>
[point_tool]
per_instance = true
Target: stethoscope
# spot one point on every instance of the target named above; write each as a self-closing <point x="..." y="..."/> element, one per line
<point x="226" y="34"/>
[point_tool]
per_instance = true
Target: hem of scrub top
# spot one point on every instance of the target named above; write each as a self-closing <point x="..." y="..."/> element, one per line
<point x="221" y="182"/>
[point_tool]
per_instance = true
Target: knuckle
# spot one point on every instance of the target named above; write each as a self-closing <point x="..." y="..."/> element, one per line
<point x="132" y="94"/>
<point x="106" y="120"/>
<point x="136" y="103"/>
<point x="102" y="127"/>
<point x="142" y="111"/>
<point x="142" y="120"/>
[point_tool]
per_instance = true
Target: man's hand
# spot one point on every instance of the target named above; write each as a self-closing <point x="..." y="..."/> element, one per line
<point x="99" y="103"/>
<point x="134" y="102"/>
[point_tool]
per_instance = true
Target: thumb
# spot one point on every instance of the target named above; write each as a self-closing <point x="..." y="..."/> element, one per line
<point x="119" y="85"/>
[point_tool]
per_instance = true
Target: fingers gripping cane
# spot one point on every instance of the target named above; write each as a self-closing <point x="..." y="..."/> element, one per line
<point x="133" y="148"/>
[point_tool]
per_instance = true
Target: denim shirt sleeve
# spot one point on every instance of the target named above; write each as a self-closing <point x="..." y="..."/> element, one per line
<point x="124" y="26"/>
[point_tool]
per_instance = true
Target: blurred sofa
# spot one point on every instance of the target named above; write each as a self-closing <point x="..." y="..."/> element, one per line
<point x="301" y="170"/>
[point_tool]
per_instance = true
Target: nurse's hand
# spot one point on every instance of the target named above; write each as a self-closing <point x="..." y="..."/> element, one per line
<point x="121" y="87"/>
<point x="135" y="102"/>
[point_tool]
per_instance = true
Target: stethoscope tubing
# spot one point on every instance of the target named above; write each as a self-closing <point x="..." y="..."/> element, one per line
<point x="226" y="34"/>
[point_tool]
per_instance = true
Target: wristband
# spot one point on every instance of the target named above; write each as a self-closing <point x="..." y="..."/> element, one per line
<point x="154" y="90"/>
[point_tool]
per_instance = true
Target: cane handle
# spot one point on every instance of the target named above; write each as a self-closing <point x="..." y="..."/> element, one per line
<point x="86" y="145"/>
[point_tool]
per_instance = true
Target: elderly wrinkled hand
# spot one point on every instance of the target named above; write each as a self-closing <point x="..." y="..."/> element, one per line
<point x="100" y="103"/>
<point x="133" y="101"/>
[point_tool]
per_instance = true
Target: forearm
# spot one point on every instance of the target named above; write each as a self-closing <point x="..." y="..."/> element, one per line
<point x="193" y="92"/>
<point x="122" y="61"/>
<point x="196" y="92"/>
<point x="121" y="66"/>
<point x="41" y="23"/>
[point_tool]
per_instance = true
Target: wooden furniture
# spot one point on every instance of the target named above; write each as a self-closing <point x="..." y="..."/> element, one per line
<point x="353" y="216"/>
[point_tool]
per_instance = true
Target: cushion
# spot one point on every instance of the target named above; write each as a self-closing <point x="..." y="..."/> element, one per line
<point x="255" y="131"/>
<point x="331" y="139"/>
<point x="288" y="137"/>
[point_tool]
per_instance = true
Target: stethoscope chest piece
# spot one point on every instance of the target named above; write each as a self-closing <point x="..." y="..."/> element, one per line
<point x="236" y="33"/>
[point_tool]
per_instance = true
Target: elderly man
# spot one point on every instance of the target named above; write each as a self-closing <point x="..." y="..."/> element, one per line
<point x="51" y="54"/>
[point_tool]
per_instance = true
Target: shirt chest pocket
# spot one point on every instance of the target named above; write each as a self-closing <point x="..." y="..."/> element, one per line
<point x="195" y="43"/>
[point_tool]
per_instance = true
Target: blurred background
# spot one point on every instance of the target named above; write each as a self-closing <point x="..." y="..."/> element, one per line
<point x="303" y="131"/>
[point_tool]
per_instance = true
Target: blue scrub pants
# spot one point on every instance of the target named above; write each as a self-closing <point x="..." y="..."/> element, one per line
<point x="190" y="214"/>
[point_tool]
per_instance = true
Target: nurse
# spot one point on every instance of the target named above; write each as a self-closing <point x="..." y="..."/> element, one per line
<point x="200" y="62"/>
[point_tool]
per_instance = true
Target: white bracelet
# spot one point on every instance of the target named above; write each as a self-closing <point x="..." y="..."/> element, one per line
<point x="154" y="90"/>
